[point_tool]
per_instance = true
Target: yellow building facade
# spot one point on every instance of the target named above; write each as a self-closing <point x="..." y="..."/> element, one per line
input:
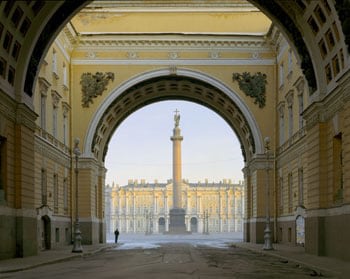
<point x="141" y="207"/>
<point x="277" y="69"/>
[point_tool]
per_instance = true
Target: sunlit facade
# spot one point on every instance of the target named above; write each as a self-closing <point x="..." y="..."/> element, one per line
<point x="141" y="207"/>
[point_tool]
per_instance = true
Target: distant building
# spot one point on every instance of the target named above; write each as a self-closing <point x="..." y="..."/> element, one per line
<point x="144" y="207"/>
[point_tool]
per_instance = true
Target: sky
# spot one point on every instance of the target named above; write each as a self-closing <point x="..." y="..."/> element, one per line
<point x="141" y="148"/>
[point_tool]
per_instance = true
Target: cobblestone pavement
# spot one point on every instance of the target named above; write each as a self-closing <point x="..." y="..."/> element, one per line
<point x="169" y="260"/>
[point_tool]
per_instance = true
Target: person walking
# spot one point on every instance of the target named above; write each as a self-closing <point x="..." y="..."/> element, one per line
<point x="116" y="234"/>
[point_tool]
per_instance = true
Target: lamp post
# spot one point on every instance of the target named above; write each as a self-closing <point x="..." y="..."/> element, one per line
<point x="267" y="231"/>
<point x="77" y="248"/>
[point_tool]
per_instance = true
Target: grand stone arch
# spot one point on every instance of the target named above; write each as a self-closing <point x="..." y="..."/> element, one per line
<point x="169" y="84"/>
<point x="329" y="105"/>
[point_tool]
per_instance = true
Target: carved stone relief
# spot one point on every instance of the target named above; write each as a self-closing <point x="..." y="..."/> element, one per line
<point x="92" y="85"/>
<point x="253" y="86"/>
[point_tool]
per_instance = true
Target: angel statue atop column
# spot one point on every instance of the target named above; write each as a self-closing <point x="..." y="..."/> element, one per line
<point x="177" y="118"/>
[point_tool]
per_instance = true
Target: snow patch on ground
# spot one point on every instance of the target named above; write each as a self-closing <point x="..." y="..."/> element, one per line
<point x="153" y="241"/>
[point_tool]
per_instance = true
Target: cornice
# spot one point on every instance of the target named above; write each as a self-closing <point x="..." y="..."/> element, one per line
<point x="171" y="62"/>
<point x="167" y="41"/>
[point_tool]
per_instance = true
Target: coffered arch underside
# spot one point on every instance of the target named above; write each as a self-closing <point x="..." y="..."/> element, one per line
<point x="172" y="87"/>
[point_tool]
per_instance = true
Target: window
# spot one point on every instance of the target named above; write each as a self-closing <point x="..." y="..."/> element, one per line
<point x="301" y="109"/>
<point x="281" y="124"/>
<point x="290" y="117"/>
<point x="65" y="122"/>
<point x="55" y="192"/>
<point x="290" y="192"/>
<point x="301" y="186"/>
<point x="43" y="187"/>
<point x="43" y="112"/>
<point x="54" y="121"/>
<point x="65" y="195"/>
<point x="281" y="194"/>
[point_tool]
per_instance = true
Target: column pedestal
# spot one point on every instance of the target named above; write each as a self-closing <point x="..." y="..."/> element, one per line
<point x="177" y="221"/>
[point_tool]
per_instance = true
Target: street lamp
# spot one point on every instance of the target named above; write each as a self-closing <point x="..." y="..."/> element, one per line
<point x="77" y="248"/>
<point x="267" y="231"/>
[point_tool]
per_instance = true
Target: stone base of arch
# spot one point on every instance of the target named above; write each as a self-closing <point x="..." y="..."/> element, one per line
<point x="91" y="181"/>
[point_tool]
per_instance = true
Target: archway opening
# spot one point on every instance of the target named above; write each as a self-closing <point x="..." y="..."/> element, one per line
<point x="139" y="176"/>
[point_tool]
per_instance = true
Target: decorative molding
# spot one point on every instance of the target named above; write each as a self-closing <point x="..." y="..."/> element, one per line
<point x="185" y="62"/>
<point x="93" y="85"/>
<point x="300" y="85"/>
<point x="66" y="108"/>
<point x="56" y="97"/>
<point x="280" y="108"/>
<point x="132" y="55"/>
<point x="44" y="86"/>
<point x="177" y="42"/>
<point x="290" y="98"/>
<point x="253" y="86"/>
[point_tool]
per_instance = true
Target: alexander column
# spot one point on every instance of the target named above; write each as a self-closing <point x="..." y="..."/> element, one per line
<point x="177" y="213"/>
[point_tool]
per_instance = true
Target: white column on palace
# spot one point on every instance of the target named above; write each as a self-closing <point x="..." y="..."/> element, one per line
<point x="177" y="175"/>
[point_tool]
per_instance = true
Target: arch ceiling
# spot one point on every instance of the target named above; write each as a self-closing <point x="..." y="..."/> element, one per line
<point x="175" y="87"/>
<point x="287" y="15"/>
